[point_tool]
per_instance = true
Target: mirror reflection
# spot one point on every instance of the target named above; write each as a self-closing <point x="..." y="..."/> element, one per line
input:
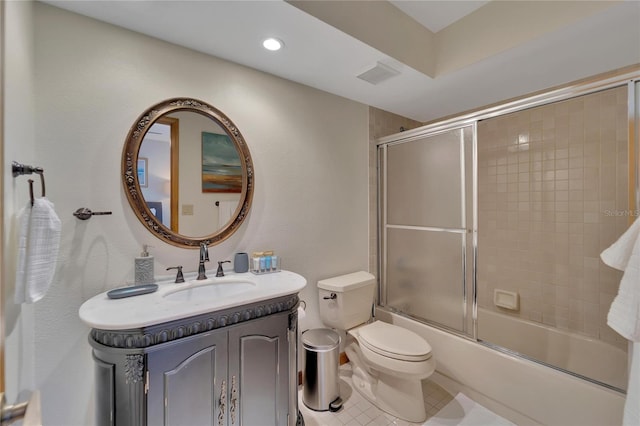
<point x="193" y="171"/>
<point x="192" y="201"/>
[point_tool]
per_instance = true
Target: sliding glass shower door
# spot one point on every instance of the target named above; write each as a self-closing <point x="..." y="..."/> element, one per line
<point x="427" y="227"/>
<point x="491" y="226"/>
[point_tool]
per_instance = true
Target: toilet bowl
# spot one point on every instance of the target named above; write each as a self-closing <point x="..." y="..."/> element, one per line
<point x="388" y="362"/>
<point x="394" y="350"/>
<point x="389" y="367"/>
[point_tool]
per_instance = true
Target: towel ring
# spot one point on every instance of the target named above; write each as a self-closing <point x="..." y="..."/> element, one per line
<point x="18" y="169"/>
<point x="31" y="188"/>
<point x="41" y="173"/>
<point x="31" y="191"/>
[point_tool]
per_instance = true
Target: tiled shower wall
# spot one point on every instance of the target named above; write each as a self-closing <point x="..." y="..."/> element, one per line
<point x="553" y="192"/>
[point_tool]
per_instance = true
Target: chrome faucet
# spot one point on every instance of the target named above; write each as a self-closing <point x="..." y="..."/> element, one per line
<point x="204" y="257"/>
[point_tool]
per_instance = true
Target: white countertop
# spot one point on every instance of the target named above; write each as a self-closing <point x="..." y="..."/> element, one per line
<point x="155" y="308"/>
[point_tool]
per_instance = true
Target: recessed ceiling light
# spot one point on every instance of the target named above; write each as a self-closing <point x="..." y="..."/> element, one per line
<point x="272" y="44"/>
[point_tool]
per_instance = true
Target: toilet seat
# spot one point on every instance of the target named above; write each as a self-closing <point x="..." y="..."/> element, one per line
<point x="394" y="342"/>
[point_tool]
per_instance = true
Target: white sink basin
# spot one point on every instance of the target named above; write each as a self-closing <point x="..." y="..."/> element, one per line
<point x="209" y="290"/>
<point x="175" y="301"/>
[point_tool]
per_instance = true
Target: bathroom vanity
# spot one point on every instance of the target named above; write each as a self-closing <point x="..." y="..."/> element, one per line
<point x="214" y="351"/>
<point x="220" y="351"/>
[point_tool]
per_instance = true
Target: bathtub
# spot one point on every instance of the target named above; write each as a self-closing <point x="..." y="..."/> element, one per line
<point x="578" y="354"/>
<point x="523" y="391"/>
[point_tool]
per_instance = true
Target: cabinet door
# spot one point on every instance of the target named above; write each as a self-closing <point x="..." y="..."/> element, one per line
<point x="188" y="381"/>
<point x="259" y="372"/>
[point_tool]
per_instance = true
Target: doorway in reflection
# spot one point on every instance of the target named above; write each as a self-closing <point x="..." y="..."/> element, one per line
<point x="156" y="150"/>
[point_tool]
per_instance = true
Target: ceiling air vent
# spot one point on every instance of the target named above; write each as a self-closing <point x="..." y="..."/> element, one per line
<point x="379" y="73"/>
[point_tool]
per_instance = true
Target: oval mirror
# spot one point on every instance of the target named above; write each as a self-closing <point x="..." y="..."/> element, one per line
<point x="187" y="173"/>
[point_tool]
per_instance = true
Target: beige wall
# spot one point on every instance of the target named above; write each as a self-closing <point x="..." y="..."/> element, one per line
<point x="19" y="145"/>
<point x="553" y="193"/>
<point x="500" y="25"/>
<point x="91" y="81"/>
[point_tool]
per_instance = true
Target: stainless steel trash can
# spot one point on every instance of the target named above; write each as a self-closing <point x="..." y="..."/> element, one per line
<point x="320" y="372"/>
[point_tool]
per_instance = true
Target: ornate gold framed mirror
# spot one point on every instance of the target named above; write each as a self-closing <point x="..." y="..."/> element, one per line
<point x="187" y="172"/>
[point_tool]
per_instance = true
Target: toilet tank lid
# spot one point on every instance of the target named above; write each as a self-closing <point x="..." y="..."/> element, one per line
<point x="347" y="282"/>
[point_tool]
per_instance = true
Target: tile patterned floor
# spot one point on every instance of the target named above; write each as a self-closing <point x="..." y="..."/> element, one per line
<point x="357" y="411"/>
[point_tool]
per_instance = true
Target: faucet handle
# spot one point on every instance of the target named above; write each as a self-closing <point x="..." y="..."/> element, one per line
<point x="179" y="276"/>
<point x="220" y="272"/>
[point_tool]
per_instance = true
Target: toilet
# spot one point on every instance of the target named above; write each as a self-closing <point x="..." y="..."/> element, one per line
<point x="388" y="362"/>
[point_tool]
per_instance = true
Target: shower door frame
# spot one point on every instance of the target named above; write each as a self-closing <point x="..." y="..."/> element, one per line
<point x="468" y="280"/>
<point x="629" y="77"/>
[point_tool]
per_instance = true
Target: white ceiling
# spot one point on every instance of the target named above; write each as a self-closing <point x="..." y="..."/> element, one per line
<point x="319" y="55"/>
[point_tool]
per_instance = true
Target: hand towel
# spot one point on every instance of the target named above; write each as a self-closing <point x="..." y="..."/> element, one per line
<point x="624" y="254"/>
<point x="38" y="245"/>
<point x="618" y="254"/>
<point x="624" y="314"/>
<point x="23" y="234"/>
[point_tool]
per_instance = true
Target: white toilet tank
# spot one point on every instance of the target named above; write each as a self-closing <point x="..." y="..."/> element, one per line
<point x="351" y="305"/>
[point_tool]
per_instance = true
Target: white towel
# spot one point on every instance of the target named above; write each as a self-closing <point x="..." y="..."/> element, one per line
<point x="618" y="254"/>
<point x="624" y="314"/>
<point x="624" y="254"/>
<point x="38" y="245"/>
<point x="225" y="211"/>
<point x="23" y="235"/>
<point x="631" y="415"/>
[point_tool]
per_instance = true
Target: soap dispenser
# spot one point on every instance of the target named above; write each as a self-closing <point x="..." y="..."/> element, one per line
<point x="143" y="271"/>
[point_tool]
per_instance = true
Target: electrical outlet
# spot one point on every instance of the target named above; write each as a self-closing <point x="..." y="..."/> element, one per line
<point x="187" y="209"/>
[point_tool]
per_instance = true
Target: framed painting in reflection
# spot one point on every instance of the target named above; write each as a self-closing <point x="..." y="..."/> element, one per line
<point x="221" y="167"/>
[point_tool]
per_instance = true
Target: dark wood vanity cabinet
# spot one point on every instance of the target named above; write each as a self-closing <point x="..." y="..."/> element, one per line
<point x="244" y="373"/>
